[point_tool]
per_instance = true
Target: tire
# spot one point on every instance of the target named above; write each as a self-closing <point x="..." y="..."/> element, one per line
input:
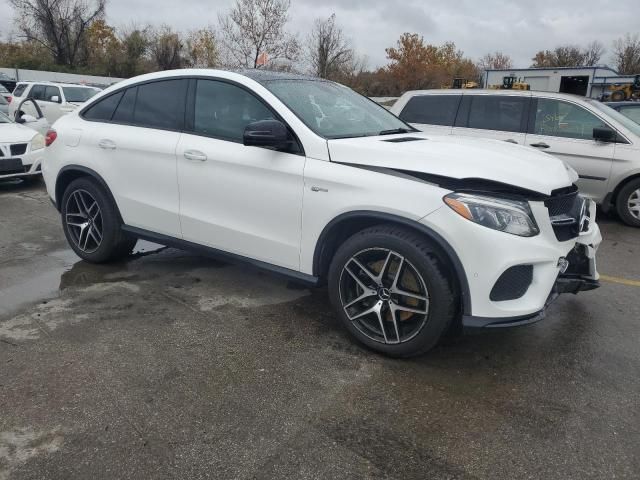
<point x="617" y="96"/>
<point x="91" y="223"/>
<point x="628" y="203"/>
<point x="411" y="265"/>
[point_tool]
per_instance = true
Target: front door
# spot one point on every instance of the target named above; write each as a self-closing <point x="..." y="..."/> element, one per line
<point x="565" y="129"/>
<point x="239" y="199"/>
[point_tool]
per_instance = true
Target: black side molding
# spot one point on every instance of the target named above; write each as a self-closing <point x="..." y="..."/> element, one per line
<point x="293" y="275"/>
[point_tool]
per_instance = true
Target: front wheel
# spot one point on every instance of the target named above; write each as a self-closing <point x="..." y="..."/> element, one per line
<point x="391" y="291"/>
<point x="91" y="223"/>
<point x="628" y="203"/>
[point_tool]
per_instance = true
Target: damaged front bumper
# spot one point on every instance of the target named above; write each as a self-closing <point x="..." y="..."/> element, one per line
<point x="577" y="273"/>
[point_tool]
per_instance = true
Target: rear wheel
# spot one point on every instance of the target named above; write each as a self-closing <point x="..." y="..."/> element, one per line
<point x="91" y="223"/>
<point x="628" y="203"/>
<point x="391" y="291"/>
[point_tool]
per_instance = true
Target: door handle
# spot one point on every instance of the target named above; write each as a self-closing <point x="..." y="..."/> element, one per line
<point x="195" y="155"/>
<point x="540" y="145"/>
<point x="511" y="140"/>
<point x="107" y="144"/>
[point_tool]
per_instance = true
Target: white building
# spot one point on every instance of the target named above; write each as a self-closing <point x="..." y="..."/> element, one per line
<point x="587" y="81"/>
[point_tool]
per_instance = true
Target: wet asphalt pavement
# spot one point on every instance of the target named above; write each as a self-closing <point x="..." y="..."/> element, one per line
<point x="171" y="365"/>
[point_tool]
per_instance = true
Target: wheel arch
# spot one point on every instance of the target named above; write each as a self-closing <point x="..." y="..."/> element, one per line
<point x="612" y="198"/>
<point x="69" y="173"/>
<point x="349" y="223"/>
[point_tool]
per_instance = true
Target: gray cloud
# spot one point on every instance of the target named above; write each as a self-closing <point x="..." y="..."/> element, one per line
<point x="477" y="27"/>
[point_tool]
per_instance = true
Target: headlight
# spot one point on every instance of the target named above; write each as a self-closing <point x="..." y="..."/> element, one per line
<point x="37" y="142"/>
<point x="509" y="216"/>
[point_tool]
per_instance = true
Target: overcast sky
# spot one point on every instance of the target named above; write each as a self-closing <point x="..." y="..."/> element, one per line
<point x="518" y="29"/>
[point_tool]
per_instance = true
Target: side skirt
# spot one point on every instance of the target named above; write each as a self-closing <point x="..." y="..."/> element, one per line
<point x="293" y="275"/>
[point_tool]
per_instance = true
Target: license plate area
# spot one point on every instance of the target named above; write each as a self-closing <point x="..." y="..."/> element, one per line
<point x="11" y="165"/>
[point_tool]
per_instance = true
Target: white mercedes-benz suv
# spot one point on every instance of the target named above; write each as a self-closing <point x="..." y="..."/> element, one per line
<point x="414" y="234"/>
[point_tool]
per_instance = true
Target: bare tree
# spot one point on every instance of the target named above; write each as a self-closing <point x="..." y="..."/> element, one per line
<point x="255" y="29"/>
<point x="626" y="54"/>
<point x="593" y="53"/>
<point x="58" y="25"/>
<point x="495" y="61"/>
<point x="166" y="48"/>
<point x="329" y="52"/>
<point x="202" y="48"/>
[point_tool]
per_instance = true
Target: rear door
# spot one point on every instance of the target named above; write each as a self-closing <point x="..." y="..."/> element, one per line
<point x="433" y="114"/>
<point x="499" y="117"/>
<point x="565" y="129"/>
<point x="134" y="147"/>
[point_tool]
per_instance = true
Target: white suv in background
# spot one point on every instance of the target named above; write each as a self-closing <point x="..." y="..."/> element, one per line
<point x="55" y="99"/>
<point x="602" y="145"/>
<point x="414" y="234"/>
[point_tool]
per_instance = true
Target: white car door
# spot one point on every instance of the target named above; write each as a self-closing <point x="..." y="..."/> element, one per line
<point x="240" y="199"/>
<point x="134" y="149"/>
<point x="432" y="114"/>
<point x="46" y="96"/>
<point x="565" y="129"/>
<point x="500" y="117"/>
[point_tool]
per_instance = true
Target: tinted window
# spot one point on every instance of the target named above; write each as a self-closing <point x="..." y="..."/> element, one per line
<point x="223" y="110"/>
<point x="161" y="104"/>
<point x="103" y="109"/>
<point x="19" y="90"/>
<point x="124" y="112"/>
<point x="562" y="119"/>
<point x="431" y="109"/>
<point x="493" y="112"/>
<point x="37" y="92"/>
<point x="50" y="91"/>
<point x="631" y="112"/>
<point x="78" y="94"/>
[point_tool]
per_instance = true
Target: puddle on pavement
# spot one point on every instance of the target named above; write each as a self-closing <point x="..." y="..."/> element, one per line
<point x="68" y="270"/>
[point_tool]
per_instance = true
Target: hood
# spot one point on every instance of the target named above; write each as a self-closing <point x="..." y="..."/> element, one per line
<point x="458" y="158"/>
<point x="15" y="133"/>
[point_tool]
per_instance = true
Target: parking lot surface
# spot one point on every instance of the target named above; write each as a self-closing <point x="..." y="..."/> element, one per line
<point x="172" y="365"/>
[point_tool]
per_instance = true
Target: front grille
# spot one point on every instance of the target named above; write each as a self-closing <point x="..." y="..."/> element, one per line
<point x="566" y="209"/>
<point x="18" y="149"/>
<point x="512" y="284"/>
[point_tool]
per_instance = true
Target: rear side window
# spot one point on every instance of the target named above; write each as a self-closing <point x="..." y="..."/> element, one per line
<point x="497" y="112"/>
<point x="19" y="90"/>
<point x="37" y="92"/>
<point x="431" y="109"/>
<point x="124" y="111"/>
<point x="103" y="109"/>
<point x="161" y="104"/>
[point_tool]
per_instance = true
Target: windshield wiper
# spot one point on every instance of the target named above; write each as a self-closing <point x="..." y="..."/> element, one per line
<point x="394" y="130"/>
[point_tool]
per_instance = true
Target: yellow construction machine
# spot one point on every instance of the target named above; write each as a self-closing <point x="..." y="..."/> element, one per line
<point x="511" y="83"/>
<point x="619" y="92"/>
<point x="462" y="83"/>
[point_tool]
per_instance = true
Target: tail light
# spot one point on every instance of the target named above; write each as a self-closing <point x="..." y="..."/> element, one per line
<point x="9" y="98"/>
<point x="50" y="137"/>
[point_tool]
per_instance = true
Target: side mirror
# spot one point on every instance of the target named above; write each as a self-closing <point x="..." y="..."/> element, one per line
<point x="266" y="133"/>
<point x="55" y="99"/>
<point x="604" y="134"/>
